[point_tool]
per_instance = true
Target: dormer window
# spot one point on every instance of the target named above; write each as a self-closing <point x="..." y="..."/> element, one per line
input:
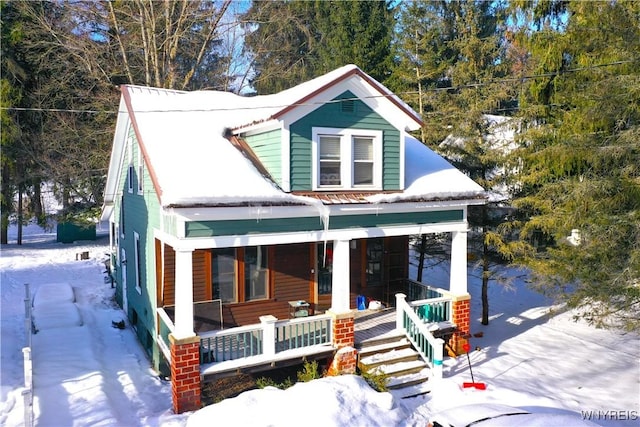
<point x="347" y="159"/>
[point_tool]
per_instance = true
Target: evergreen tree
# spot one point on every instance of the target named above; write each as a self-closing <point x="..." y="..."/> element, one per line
<point x="579" y="157"/>
<point x="281" y="41"/>
<point x="292" y="41"/>
<point x="454" y="54"/>
<point x="73" y="55"/>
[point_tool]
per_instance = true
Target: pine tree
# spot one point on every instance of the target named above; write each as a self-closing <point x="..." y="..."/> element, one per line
<point x="579" y="157"/>
<point x="292" y="41"/>
<point x="454" y="54"/>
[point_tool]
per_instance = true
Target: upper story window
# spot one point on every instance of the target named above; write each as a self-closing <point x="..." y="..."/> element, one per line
<point x="347" y="159"/>
<point x="130" y="167"/>
<point x="140" y="171"/>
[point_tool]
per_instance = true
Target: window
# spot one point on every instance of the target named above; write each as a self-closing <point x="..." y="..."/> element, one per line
<point x="375" y="256"/>
<point x="130" y="178"/>
<point x="122" y="230"/>
<point x="255" y="273"/>
<point x="325" y="267"/>
<point x="347" y="159"/>
<point x="130" y="161"/>
<point x="224" y="274"/>
<point x="138" y="259"/>
<point x="140" y="171"/>
<point x="240" y="274"/>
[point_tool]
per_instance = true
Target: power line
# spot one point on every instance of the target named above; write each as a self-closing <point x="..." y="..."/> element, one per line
<point x="432" y="89"/>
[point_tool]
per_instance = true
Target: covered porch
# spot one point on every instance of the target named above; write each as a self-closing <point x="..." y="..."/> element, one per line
<point x="274" y="343"/>
<point x="246" y="335"/>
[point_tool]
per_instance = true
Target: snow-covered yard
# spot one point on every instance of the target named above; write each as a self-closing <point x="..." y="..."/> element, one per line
<point x="93" y="374"/>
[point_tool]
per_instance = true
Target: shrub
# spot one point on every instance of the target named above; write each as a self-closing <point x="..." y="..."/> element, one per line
<point x="309" y="372"/>
<point x="376" y="379"/>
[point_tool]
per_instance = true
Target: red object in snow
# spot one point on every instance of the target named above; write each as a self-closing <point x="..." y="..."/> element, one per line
<point x="478" y="386"/>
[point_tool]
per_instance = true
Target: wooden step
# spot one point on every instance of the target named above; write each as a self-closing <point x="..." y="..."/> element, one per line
<point x="389" y="337"/>
<point x="388" y="358"/>
<point x="384" y="347"/>
<point x="400" y="368"/>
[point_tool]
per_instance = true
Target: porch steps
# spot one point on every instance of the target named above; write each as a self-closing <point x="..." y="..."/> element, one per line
<point x="393" y="356"/>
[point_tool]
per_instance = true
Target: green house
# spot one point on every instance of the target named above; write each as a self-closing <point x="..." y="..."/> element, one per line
<point x="229" y="212"/>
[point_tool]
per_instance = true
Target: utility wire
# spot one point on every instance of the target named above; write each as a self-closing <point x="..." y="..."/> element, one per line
<point x="428" y="89"/>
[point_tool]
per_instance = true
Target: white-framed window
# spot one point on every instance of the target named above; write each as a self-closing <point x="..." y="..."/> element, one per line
<point x="140" y="171"/>
<point x="240" y="275"/>
<point x="138" y="261"/>
<point x="122" y="222"/>
<point x="130" y="168"/>
<point x="346" y="159"/>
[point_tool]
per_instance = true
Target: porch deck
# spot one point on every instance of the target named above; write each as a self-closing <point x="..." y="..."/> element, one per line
<point x="372" y="324"/>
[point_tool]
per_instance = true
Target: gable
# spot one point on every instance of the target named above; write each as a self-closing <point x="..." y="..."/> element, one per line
<point x="345" y="111"/>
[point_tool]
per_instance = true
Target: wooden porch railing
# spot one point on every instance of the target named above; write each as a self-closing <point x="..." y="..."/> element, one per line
<point x="430" y="348"/>
<point x="420" y="291"/>
<point x="165" y="327"/>
<point x="269" y="337"/>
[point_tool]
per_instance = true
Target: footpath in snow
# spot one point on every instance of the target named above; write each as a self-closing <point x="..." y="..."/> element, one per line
<point x="85" y="371"/>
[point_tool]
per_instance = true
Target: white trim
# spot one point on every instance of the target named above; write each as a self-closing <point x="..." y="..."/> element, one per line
<point x="346" y="158"/>
<point x="137" y="259"/>
<point x="263" y="212"/>
<point x="305" y="236"/>
<point x="285" y="158"/>
<point x="366" y="93"/>
<point x="258" y="128"/>
<point x="140" y="180"/>
<point x="130" y="168"/>
<point x="403" y="156"/>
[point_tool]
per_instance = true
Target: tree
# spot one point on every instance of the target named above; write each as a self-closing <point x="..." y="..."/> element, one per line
<point x="76" y="53"/>
<point x="454" y="54"/>
<point x="281" y="41"/>
<point x="579" y="157"/>
<point x="291" y="41"/>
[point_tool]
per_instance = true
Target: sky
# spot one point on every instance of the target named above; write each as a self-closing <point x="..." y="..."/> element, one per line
<point x="87" y="373"/>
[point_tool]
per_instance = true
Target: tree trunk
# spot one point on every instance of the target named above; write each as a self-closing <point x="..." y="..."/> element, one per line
<point x="20" y="216"/>
<point x="36" y="203"/>
<point x="423" y="245"/>
<point x="5" y="205"/>
<point x="485" y="276"/>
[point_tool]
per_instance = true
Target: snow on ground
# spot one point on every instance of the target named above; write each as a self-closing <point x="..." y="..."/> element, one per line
<point x="89" y="373"/>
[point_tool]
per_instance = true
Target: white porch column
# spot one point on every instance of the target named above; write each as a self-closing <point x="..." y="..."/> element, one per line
<point x="340" y="277"/>
<point x="184" y="294"/>
<point x="458" y="273"/>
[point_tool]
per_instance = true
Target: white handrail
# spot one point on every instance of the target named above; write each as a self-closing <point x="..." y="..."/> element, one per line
<point x="437" y="344"/>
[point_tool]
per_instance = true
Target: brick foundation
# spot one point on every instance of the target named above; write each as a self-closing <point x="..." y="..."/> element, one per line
<point x="344" y="362"/>
<point x="343" y="337"/>
<point x="461" y="316"/>
<point x="343" y="333"/>
<point x="185" y="374"/>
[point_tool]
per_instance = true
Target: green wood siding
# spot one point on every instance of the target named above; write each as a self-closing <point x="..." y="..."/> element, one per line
<point x="141" y="215"/>
<point x="283" y="225"/>
<point x="268" y="148"/>
<point x="332" y="115"/>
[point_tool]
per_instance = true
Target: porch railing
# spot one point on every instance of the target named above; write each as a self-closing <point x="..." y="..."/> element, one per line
<point x="165" y="327"/>
<point x="418" y="291"/>
<point x="430" y="348"/>
<point x="269" y="337"/>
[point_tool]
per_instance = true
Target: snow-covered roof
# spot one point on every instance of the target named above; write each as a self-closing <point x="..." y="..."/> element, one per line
<point x="192" y="163"/>
<point x="428" y="176"/>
